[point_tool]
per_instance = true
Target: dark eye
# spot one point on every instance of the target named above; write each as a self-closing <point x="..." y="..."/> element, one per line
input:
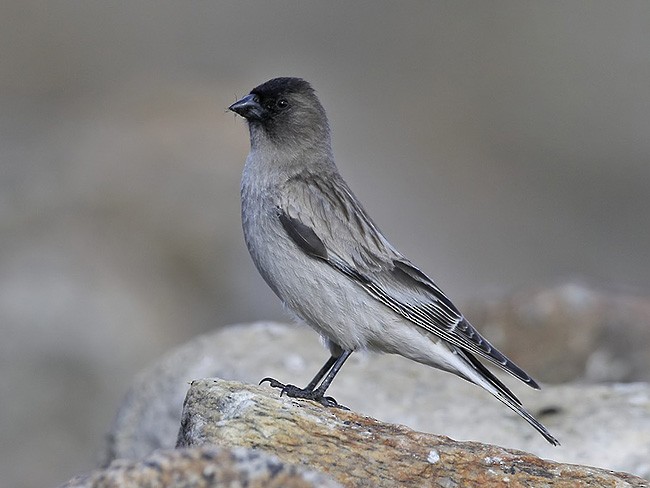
<point x="282" y="103"/>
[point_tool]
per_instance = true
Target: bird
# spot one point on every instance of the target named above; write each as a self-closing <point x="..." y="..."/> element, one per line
<point x="320" y="252"/>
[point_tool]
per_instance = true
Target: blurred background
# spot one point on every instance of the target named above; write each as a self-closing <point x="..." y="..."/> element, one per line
<point x="500" y="145"/>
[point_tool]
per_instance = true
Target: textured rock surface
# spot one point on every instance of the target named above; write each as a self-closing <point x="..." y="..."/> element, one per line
<point x="204" y="467"/>
<point x="571" y="332"/>
<point x="606" y="426"/>
<point x="360" y="451"/>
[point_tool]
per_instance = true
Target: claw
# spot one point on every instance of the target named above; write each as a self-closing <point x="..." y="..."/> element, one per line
<point x="272" y="382"/>
<point x="293" y="391"/>
<point x="329" y="401"/>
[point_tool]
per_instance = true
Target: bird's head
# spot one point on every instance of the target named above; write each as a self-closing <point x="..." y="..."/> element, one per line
<point x="284" y="111"/>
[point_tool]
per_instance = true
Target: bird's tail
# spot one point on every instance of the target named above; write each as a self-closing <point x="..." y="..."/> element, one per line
<point x="491" y="383"/>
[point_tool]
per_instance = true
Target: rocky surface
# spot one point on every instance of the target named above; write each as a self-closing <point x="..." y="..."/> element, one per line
<point x="203" y="467"/>
<point x="601" y="425"/>
<point x="360" y="451"/>
<point x="571" y="332"/>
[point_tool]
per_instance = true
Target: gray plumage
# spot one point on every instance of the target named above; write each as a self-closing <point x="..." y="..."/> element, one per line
<point x="320" y="252"/>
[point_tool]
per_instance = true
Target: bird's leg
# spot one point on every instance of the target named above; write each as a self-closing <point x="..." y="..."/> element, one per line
<point x="311" y="392"/>
<point x="312" y="384"/>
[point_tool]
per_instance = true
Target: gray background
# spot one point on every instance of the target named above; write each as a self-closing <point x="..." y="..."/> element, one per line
<point x="500" y="145"/>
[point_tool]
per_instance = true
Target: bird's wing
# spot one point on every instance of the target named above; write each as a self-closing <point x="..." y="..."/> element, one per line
<point x="327" y="222"/>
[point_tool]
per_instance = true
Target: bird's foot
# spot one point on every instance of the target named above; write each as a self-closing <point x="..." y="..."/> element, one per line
<point x="294" y="391"/>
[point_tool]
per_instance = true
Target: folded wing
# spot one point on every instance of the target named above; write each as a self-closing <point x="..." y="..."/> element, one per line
<point x="328" y="223"/>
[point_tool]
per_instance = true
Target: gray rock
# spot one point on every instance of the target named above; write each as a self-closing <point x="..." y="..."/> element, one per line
<point x="602" y="425"/>
<point x="571" y="332"/>
<point x="203" y="467"/>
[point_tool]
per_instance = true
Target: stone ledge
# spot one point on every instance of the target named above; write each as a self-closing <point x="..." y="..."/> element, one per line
<point x="360" y="451"/>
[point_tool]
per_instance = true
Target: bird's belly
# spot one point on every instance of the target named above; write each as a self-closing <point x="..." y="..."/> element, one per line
<point x="329" y="302"/>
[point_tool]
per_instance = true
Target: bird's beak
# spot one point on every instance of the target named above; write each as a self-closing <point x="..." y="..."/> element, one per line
<point x="248" y="107"/>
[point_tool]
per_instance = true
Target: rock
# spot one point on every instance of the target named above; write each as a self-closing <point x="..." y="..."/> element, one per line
<point x="602" y="425"/>
<point x="570" y="332"/>
<point x="203" y="467"/>
<point x="361" y="451"/>
<point x="149" y="415"/>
